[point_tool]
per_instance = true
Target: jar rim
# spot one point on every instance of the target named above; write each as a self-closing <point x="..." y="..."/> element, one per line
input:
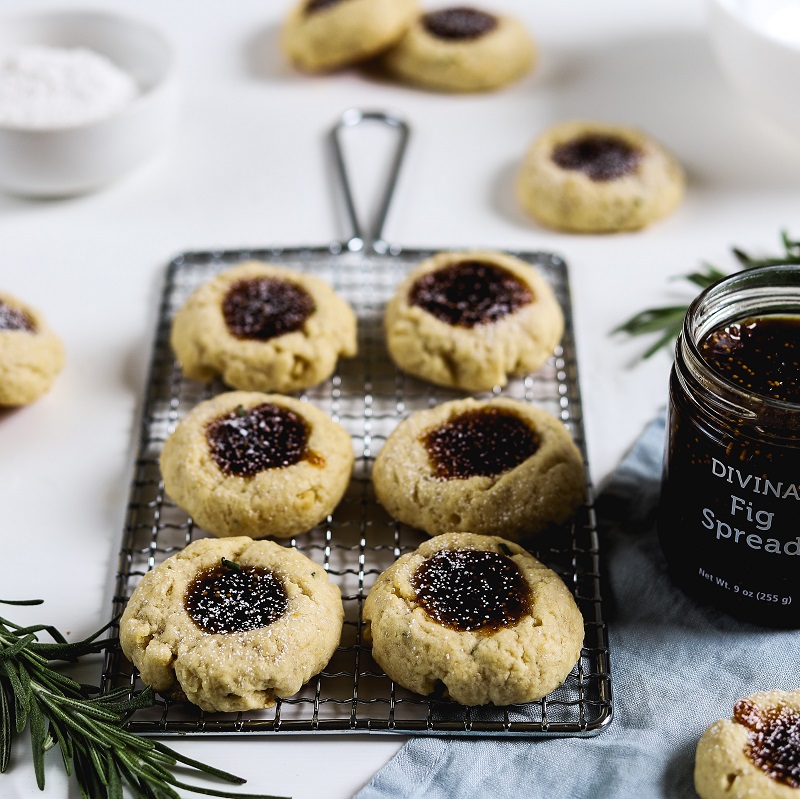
<point x="763" y="277"/>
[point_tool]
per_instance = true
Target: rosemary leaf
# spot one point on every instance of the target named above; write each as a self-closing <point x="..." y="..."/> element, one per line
<point x="37" y="730"/>
<point x="20" y="602"/>
<point x="114" y="780"/>
<point x="5" y="728"/>
<point x="86" y="726"/>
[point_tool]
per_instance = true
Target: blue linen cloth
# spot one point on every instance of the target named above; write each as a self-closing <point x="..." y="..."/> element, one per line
<point x="676" y="667"/>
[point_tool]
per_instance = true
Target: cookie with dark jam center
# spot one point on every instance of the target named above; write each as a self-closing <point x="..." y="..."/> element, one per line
<point x="459" y="23"/>
<point x="14" y="319"/>
<point x="469" y="293"/>
<point x="246" y="442"/>
<point x="234" y="599"/>
<point x="480" y="443"/>
<point x="470" y="590"/>
<point x="599" y="157"/>
<point x="264" y="308"/>
<point x="773" y="741"/>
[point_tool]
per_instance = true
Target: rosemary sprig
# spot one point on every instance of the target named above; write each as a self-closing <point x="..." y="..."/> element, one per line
<point x="667" y="320"/>
<point x="87" y="726"/>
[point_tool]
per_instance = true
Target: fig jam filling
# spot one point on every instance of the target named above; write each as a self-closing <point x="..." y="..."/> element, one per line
<point x="232" y="599"/>
<point x="773" y="740"/>
<point x="466" y="590"/>
<point x="469" y="293"/>
<point x="483" y="443"/>
<point x="598" y="156"/>
<point x="264" y="308"/>
<point x="14" y="319"/>
<point x="459" y="23"/>
<point x="317" y="5"/>
<point x="246" y="442"/>
<point x="759" y="354"/>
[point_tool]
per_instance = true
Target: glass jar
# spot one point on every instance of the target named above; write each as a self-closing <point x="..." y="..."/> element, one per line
<point x="729" y="517"/>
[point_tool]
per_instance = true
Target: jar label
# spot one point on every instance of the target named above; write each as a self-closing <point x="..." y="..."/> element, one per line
<point x="729" y="523"/>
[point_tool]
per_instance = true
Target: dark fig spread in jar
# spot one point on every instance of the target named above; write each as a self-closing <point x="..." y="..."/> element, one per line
<point x="466" y="589"/>
<point x="731" y="489"/>
<point x="246" y="442"/>
<point x="14" y="319"/>
<point x="773" y="741"/>
<point x="760" y="354"/>
<point x="483" y="442"/>
<point x="469" y="293"/>
<point x="458" y="23"/>
<point x="265" y="307"/>
<point x="600" y="157"/>
<point x="233" y="599"/>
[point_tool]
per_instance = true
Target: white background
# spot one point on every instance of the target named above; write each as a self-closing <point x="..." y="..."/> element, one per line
<point x="248" y="166"/>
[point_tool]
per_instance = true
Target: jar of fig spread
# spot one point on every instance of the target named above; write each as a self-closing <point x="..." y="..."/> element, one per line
<point x="729" y="517"/>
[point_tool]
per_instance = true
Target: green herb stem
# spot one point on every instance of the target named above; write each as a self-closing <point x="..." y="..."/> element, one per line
<point x="86" y="726"/>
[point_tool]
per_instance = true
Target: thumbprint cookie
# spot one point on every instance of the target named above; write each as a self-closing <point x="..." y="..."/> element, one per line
<point x="588" y="177"/>
<point x="324" y="35"/>
<point x="500" y="466"/>
<point x="462" y="49"/>
<point x="31" y="354"/>
<point x="246" y="463"/>
<point x="469" y="320"/>
<point x="231" y="625"/>
<point x="262" y="327"/>
<point x="476" y="618"/>
<point x="754" y="753"/>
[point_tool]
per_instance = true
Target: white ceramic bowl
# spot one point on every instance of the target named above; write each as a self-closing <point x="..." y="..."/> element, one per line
<point x="52" y="162"/>
<point x="757" y="43"/>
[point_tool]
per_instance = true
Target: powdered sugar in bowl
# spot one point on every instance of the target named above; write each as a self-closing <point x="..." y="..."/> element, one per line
<point x="85" y="97"/>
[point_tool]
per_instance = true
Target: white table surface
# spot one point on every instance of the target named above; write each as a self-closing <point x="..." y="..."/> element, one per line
<point x="248" y="167"/>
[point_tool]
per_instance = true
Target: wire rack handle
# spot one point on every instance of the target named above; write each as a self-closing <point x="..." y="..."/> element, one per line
<point x="350" y="119"/>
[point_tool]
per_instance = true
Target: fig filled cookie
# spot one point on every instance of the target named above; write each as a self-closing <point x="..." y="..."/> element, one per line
<point x="462" y="49"/>
<point x="477" y="615"/>
<point x="31" y="354"/>
<point x="469" y="320"/>
<point x="262" y="327"/>
<point x="246" y="463"/>
<point x="499" y="466"/>
<point x="589" y="177"/>
<point x="323" y="35"/>
<point x="232" y="625"/>
<point x="755" y="753"/>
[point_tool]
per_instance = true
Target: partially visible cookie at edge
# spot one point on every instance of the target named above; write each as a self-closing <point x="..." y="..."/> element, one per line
<point x="247" y="463"/>
<point x="591" y="177"/>
<point x="325" y="35"/>
<point x="756" y="753"/>
<point x="477" y="616"/>
<point x="469" y="320"/>
<point x="31" y="354"/>
<point x="262" y="327"/>
<point x="499" y="467"/>
<point x="232" y="625"/>
<point x="462" y="49"/>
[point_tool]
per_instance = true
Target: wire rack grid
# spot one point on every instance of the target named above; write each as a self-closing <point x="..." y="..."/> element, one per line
<point x="368" y="396"/>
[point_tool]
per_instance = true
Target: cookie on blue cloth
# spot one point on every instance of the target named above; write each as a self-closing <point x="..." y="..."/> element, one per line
<point x="754" y="754"/>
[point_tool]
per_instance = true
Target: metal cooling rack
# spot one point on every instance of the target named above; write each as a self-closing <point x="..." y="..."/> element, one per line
<point x="368" y="396"/>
